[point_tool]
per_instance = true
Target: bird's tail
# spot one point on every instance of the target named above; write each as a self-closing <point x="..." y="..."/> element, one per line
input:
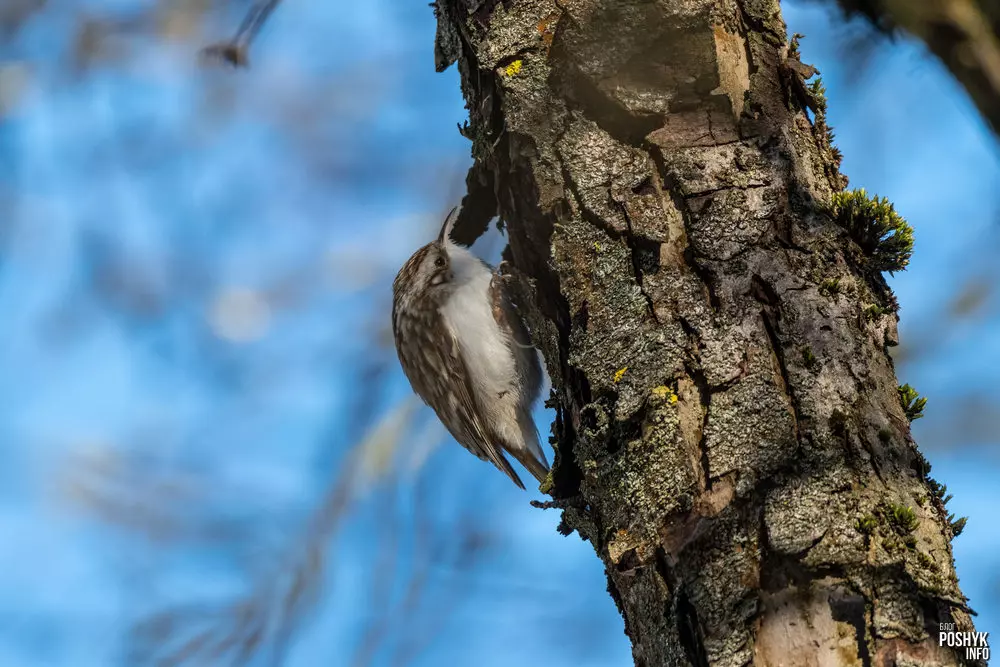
<point x="504" y="465"/>
<point x="530" y="453"/>
<point x="539" y="469"/>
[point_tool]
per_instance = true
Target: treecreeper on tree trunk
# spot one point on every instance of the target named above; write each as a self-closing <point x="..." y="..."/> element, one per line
<point x="729" y="425"/>
<point x="466" y="353"/>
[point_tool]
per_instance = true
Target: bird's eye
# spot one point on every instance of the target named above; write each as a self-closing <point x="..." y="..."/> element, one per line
<point x="439" y="262"/>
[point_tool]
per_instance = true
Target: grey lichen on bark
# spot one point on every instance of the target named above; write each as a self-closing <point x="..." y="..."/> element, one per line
<point x="728" y="432"/>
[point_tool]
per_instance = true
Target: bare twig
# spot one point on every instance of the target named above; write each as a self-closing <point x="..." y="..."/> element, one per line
<point x="560" y="503"/>
<point x="383" y="577"/>
<point x="425" y="554"/>
<point x="268" y="615"/>
<point x="235" y="51"/>
<point x="467" y="545"/>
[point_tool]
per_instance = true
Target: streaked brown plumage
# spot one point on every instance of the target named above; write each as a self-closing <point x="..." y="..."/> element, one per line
<point x="466" y="353"/>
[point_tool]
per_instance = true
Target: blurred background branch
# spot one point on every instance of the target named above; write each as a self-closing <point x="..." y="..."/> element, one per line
<point x="236" y="50"/>
<point x="964" y="34"/>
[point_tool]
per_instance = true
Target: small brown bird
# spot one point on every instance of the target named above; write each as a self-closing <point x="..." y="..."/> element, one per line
<point x="467" y="353"/>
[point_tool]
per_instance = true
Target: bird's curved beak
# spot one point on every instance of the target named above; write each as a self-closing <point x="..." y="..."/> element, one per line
<point x="449" y="224"/>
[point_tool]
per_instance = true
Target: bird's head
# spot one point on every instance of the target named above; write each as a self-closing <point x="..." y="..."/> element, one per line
<point x="429" y="270"/>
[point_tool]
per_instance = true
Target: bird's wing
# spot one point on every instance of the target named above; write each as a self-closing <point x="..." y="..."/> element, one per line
<point x="437" y="371"/>
<point x="530" y="454"/>
<point x="504" y="313"/>
<point x="509" y="320"/>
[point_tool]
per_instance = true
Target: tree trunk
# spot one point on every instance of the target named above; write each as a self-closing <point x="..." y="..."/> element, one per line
<point x="729" y="435"/>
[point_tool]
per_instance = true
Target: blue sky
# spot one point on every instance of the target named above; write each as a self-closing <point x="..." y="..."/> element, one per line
<point x="195" y="266"/>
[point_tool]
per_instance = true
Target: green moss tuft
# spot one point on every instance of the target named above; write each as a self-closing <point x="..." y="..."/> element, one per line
<point x="813" y="97"/>
<point x="866" y="524"/>
<point x="884" y="436"/>
<point x="830" y="287"/>
<point x="940" y="491"/>
<point x="874" y="311"/>
<point x="873" y="223"/>
<point x="809" y="359"/>
<point x="921" y="465"/>
<point x="913" y="404"/>
<point x="818" y="92"/>
<point x="793" y="45"/>
<point x="902" y="518"/>
<point x="926" y="561"/>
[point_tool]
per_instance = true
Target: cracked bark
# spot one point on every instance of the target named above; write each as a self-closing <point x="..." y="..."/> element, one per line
<point x="723" y="426"/>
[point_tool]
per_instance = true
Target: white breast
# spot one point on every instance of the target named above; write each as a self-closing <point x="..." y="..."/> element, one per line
<point x="469" y="314"/>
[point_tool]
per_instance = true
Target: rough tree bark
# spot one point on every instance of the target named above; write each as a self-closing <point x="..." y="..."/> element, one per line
<point x="728" y="434"/>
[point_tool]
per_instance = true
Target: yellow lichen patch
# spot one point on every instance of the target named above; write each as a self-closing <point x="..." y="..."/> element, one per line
<point x="665" y="393"/>
<point x="620" y="373"/>
<point x="547" y="484"/>
<point x="597" y="246"/>
<point x="513" y="68"/>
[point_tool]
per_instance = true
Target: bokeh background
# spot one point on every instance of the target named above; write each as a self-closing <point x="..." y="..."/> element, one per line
<point x="207" y="449"/>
